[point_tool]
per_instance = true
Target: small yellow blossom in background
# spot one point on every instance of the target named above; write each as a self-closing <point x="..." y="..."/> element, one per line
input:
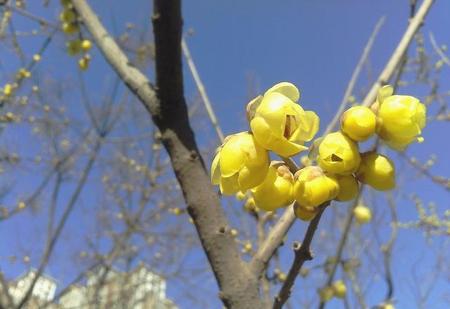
<point x="377" y="171"/>
<point x="240" y="164"/>
<point x="338" y="154"/>
<point x="276" y="189"/>
<point x="86" y="45"/>
<point x="279" y="123"/>
<point x="67" y="16"/>
<point x="70" y="28"/>
<point x="66" y="3"/>
<point x="339" y="289"/>
<point x="363" y="214"/>
<point x="359" y="123"/>
<point x="21" y="205"/>
<point x="247" y="247"/>
<point x="313" y="188"/>
<point x="36" y="58"/>
<point x="234" y="232"/>
<point x="348" y="187"/>
<point x="326" y="293"/>
<point x="7" y="90"/>
<point x="83" y="63"/>
<point x="281" y="276"/>
<point x="73" y="47"/>
<point x="401" y="120"/>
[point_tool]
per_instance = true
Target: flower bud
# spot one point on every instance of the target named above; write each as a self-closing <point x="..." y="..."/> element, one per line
<point x="359" y="123"/>
<point x="362" y="214"/>
<point x="305" y="213"/>
<point x="326" y="293"/>
<point x="338" y="154"/>
<point x="377" y="171"/>
<point x="402" y="119"/>
<point x="339" y="289"/>
<point x="313" y="188"/>
<point x="240" y="164"/>
<point x="276" y="189"/>
<point x="348" y="187"/>
<point x="279" y="123"/>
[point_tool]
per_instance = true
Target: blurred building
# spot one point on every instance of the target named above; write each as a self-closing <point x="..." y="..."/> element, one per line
<point x="105" y="288"/>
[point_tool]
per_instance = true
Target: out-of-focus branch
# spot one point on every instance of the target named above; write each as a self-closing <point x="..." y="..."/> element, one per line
<point x="272" y="242"/>
<point x="387" y="250"/>
<point x="302" y="253"/>
<point x="355" y="75"/>
<point x="438" y="50"/>
<point x="166" y="104"/>
<point x="201" y="89"/>
<point x="414" y="24"/>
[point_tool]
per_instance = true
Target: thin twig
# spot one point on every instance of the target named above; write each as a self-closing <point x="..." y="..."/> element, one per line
<point x="355" y="75"/>
<point x="302" y="254"/>
<point x="201" y="89"/>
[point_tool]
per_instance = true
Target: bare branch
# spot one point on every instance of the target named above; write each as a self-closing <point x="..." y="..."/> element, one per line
<point x="167" y="107"/>
<point x="302" y="254"/>
<point x="390" y="68"/>
<point x="201" y="89"/>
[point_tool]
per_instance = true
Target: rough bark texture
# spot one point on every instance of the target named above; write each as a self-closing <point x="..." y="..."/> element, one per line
<point x="166" y="104"/>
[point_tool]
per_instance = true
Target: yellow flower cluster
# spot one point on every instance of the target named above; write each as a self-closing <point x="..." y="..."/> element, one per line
<point x="70" y="26"/>
<point x="280" y="125"/>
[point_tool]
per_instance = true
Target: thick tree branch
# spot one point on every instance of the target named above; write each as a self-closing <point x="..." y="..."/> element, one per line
<point x="166" y="104"/>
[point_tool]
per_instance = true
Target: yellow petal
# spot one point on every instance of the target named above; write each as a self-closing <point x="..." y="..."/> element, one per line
<point x="215" y="170"/>
<point x="308" y="127"/>
<point x="251" y="177"/>
<point x="229" y="185"/>
<point x="287" y="89"/>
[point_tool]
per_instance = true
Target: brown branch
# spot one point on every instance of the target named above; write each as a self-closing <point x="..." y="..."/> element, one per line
<point x="302" y="254"/>
<point x="414" y="24"/>
<point x="166" y="104"/>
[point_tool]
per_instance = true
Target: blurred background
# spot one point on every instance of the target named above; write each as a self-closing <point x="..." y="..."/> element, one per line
<point x="88" y="200"/>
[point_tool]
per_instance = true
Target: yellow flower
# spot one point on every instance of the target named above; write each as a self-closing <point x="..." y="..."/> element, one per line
<point x="362" y="214"/>
<point x="401" y="119"/>
<point x="326" y="293"/>
<point x="338" y="154"/>
<point x="240" y="164"/>
<point x="86" y="45"/>
<point x="348" y="187"/>
<point x="279" y="123"/>
<point x="67" y="16"/>
<point x="73" y="47"/>
<point x="70" y="28"/>
<point x="359" y="123"/>
<point x="83" y="63"/>
<point x="313" y="188"/>
<point x="276" y="189"/>
<point x="339" y="289"/>
<point x="377" y="171"/>
<point x="8" y="89"/>
<point x="305" y="213"/>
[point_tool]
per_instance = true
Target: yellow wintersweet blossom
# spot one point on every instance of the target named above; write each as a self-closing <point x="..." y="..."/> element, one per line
<point x="279" y="123"/>
<point x="313" y="188"/>
<point x="359" y="123"/>
<point x="240" y="164"/>
<point x="362" y="214"/>
<point x="401" y="120"/>
<point x="339" y="289"/>
<point x="276" y="190"/>
<point x="338" y="154"/>
<point x="326" y="293"/>
<point x="377" y="171"/>
<point x="348" y="187"/>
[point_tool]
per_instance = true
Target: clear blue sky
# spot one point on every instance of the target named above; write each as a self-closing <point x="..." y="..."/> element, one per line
<point x="315" y="45"/>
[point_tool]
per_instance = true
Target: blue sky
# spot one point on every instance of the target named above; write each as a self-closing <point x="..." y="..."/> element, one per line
<point x="313" y="44"/>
